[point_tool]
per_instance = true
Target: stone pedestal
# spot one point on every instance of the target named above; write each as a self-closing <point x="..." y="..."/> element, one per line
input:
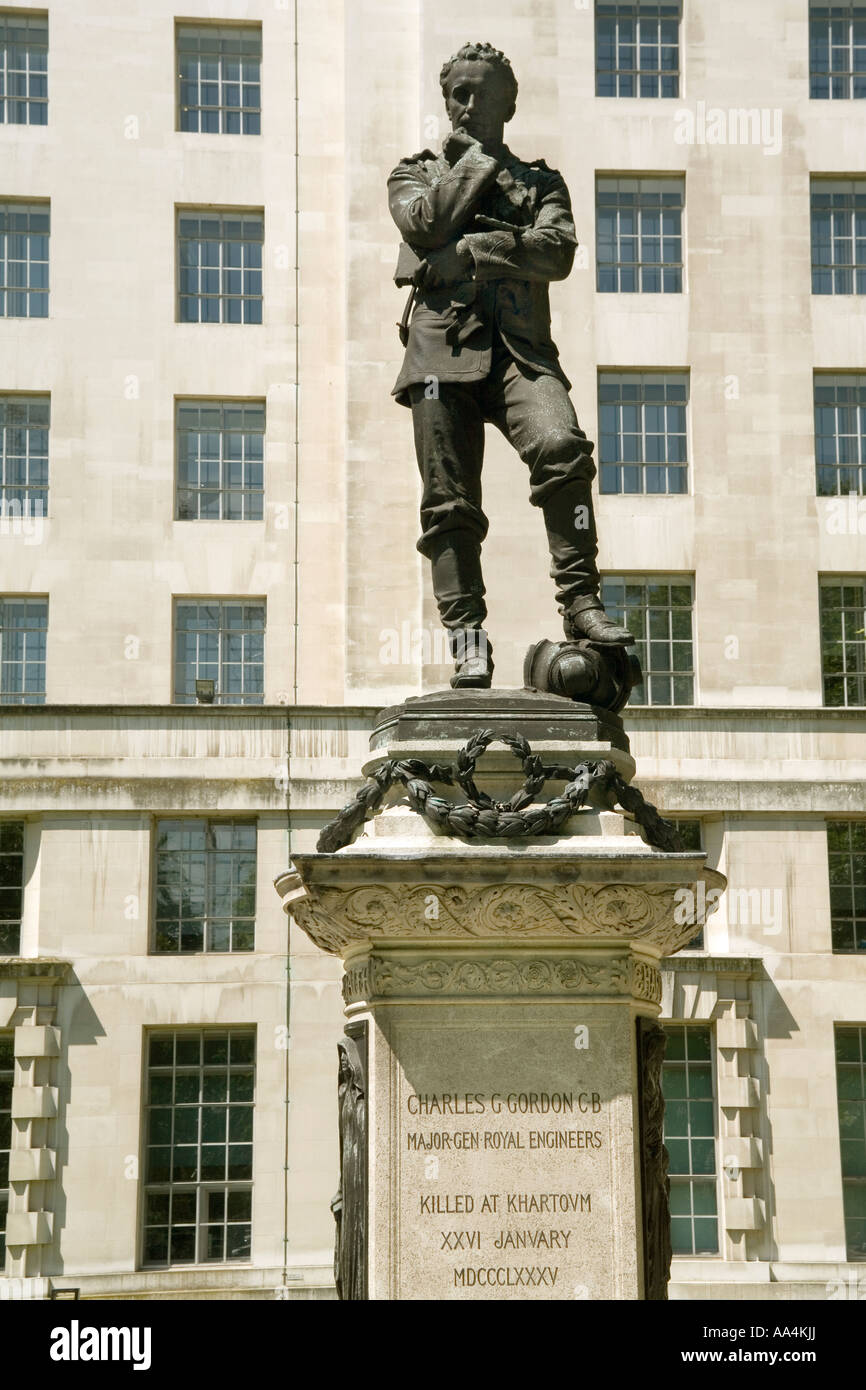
<point x="499" y="995"/>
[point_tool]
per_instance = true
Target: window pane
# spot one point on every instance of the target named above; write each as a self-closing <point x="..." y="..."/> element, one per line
<point x="631" y="255"/>
<point x="689" y="1135"/>
<point x="210" y="95"/>
<point x="185" y="1219"/>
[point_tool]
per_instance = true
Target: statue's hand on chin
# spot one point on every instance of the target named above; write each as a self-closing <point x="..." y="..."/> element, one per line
<point x="456" y="144"/>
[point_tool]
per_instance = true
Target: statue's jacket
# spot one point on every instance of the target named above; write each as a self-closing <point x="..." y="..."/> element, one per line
<point x="516" y="220"/>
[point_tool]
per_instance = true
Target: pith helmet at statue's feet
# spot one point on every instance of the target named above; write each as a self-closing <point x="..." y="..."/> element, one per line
<point x="473" y="658"/>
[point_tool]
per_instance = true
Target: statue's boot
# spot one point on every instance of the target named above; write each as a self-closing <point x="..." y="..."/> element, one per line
<point x="473" y="658"/>
<point x="455" y="559"/>
<point x="570" y="523"/>
<point x="586" y="618"/>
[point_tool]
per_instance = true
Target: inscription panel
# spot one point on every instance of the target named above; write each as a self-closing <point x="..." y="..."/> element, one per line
<point x="509" y="1154"/>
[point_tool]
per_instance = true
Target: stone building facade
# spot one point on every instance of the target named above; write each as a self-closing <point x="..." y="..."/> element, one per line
<point x="205" y="478"/>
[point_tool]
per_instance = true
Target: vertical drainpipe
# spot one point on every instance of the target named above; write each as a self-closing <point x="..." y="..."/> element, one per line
<point x="295" y="615"/>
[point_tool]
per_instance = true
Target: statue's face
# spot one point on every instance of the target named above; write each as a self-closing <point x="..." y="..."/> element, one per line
<point x="478" y="100"/>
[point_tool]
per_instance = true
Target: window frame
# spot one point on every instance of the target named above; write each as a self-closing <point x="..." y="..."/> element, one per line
<point x="201" y="23"/>
<point x="823" y="380"/>
<point x="681" y="1179"/>
<point x="13" y="922"/>
<point x="852" y="855"/>
<point x="208" y="822"/>
<point x="27" y="599"/>
<point x="827" y="582"/>
<point x="203" y="1185"/>
<point x="8" y="398"/>
<point x="221" y="211"/>
<point x="644" y="379"/>
<point x="222" y="600"/>
<point x="830" y="184"/>
<point x="698" y="942"/>
<point x="616" y="72"/>
<point x="850" y="72"/>
<point x="222" y="402"/>
<point x="37" y="103"/>
<point x="856" y="1181"/>
<point x="30" y="206"/>
<point x="640" y="177"/>
<point x="646" y="581"/>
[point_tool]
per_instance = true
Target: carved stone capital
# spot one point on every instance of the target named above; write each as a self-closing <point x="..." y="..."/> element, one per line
<point x="340" y="918"/>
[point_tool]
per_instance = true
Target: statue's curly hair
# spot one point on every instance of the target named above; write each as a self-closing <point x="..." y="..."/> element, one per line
<point x="480" y="53"/>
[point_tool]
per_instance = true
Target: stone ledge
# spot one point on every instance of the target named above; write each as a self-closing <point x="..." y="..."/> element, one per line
<point x="45" y="968"/>
<point x="665" y="716"/>
<point x="36" y="1040"/>
<point x="748" y="967"/>
<point x="203" y="1282"/>
<point x="31" y="1165"/>
<point x="739" y="1093"/>
<point x="29" y="1228"/>
<point x="737" y="1034"/>
<point x="746" y="1293"/>
<point x="683" y="797"/>
<point x="744" y="1214"/>
<point x="34" y="1102"/>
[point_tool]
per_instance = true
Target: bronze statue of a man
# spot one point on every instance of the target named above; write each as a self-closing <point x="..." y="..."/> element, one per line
<point x="484" y="233"/>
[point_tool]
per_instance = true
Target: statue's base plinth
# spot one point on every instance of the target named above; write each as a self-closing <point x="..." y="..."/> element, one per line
<point x="434" y="727"/>
<point x="502" y="993"/>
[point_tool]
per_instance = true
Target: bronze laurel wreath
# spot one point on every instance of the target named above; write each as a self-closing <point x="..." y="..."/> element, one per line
<point x="480" y="815"/>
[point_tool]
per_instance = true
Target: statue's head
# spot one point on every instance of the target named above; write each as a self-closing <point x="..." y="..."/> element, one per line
<point x="480" y="90"/>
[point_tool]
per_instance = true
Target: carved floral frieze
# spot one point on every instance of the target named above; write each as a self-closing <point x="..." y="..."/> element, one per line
<point x="491" y="975"/>
<point x="338" y="918"/>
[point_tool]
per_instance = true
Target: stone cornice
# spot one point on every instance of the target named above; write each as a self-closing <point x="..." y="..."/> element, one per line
<point x="48" y="969"/>
<point x="346" y="900"/>
<point x="663" y="716"/>
<point x="746" y="967"/>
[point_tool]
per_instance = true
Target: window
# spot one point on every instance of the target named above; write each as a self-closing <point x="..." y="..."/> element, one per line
<point x="639" y="231"/>
<point x="23" y="70"/>
<point x="691" y="834"/>
<point x="7" y="1078"/>
<point x="839" y="236"/>
<point x="851" y="1089"/>
<point x="24" y="229"/>
<point x="843" y="641"/>
<point x="659" y="613"/>
<point x="222" y="641"/>
<point x="205" y="885"/>
<point x="642" y="417"/>
<point x="637" y="50"/>
<point x="220" y="266"/>
<point x="23" y="630"/>
<point x="690" y="1130"/>
<point x="846" y="853"/>
<point x="220" y="460"/>
<point x="11" y="889"/>
<point x="840" y="434"/>
<point x="219" y="75"/>
<point x="837" y="51"/>
<point x="199" y="1158"/>
<point x="24" y="422"/>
